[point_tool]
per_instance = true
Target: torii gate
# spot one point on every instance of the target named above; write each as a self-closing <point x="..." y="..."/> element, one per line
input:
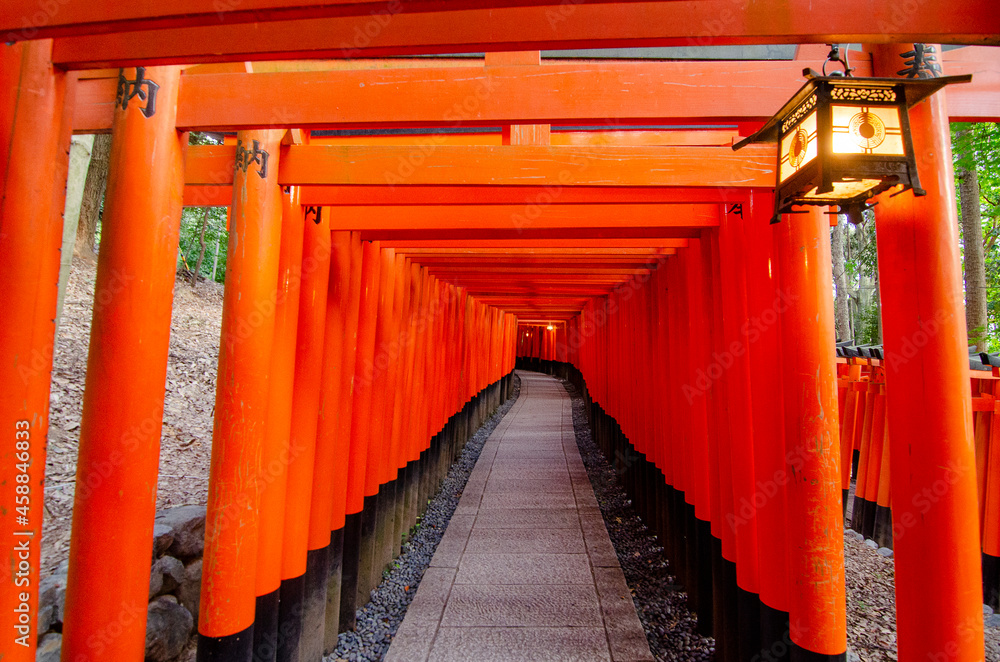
<point x="671" y="194"/>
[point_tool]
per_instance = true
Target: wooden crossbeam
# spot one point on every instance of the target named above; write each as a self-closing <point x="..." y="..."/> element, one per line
<point x="496" y="28"/>
<point x="221" y="196"/>
<point x="570" y="243"/>
<point x="520" y="165"/>
<point x="534" y="234"/>
<point x="604" y="93"/>
<point x="521" y="252"/>
<point x="515" y="217"/>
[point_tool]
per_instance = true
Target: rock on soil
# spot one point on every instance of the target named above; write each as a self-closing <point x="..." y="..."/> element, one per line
<point x="49" y="648"/>
<point x="168" y="626"/>
<point x="187" y="524"/>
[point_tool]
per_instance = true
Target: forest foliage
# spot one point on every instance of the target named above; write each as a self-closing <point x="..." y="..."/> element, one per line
<point x="975" y="146"/>
<point x="203" y="232"/>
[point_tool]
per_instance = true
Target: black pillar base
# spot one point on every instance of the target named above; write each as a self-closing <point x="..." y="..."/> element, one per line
<point x="802" y="655"/>
<point x="336" y="566"/>
<point x="400" y="512"/>
<point x="730" y="612"/>
<point x="691" y="559"/>
<point x="775" y="637"/>
<point x="349" y="572"/>
<point x="704" y="569"/>
<point x="720" y="618"/>
<point x="748" y="606"/>
<point x="314" y="603"/>
<point x="366" y="550"/>
<point x="290" y="608"/>
<point x="991" y="581"/>
<point x="236" y="647"/>
<point x="883" y="526"/>
<point x="265" y="627"/>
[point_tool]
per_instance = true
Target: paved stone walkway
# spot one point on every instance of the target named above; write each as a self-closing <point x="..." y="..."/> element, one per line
<point x="526" y="570"/>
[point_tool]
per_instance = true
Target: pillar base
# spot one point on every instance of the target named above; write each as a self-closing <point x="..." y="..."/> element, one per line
<point x="332" y="614"/>
<point x="991" y="581"/>
<point x="236" y="647"/>
<point x="314" y="603"/>
<point x="748" y="626"/>
<point x="882" y="526"/>
<point x="775" y="637"/>
<point x="802" y="655"/>
<point x="290" y="607"/>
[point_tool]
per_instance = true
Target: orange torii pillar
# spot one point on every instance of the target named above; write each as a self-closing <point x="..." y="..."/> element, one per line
<point x="323" y="480"/>
<point x="928" y="407"/>
<point x="763" y="338"/>
<point x="991" y="512"/>
<point x="400" y="394"/>
<point x="409" y="454"/>
<point x="276" y="450"/>
<point x="349" y="355"/>
<point x="115" y="500"/>
<point x="741" y="517"/>
<point x="295" y="553"/>
<point x="370" y="567"/>
<point x="699" y="532"/>
<point x="360" y="511"/>
<point x="321" y="616"/>
<point x="226" y="613"/>
<point x="324" y="430"/>
<point x="723" y="560"/>
<point x="31" y="204"/>
<point x="814" y="521"/>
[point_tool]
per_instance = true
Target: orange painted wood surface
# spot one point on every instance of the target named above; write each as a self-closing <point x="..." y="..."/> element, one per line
<point x="612" y="94"/>
<point x="520" y="165"/>
<point x="569" y="25"/>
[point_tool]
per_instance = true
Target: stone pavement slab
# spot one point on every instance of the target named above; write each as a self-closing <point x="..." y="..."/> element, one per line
<point x="525" y="571"/>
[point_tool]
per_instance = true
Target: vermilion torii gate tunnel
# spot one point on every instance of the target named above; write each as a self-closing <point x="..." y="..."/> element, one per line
<point x="379" y="287"/>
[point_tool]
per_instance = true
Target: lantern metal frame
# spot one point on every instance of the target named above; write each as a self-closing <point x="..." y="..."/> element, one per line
<point x="818" y="177"/>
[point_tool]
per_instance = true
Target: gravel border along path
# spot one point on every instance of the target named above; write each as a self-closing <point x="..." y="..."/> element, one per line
<point x="659" y="600"/>
<point x="378" y="620"/>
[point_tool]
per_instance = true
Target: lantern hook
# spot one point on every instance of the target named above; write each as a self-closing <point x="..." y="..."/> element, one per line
<point x="835" y="57"/>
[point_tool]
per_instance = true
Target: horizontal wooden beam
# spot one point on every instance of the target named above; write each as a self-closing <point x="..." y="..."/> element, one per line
<point x="543" y="271"/>
<point x="515" y="217"/>
<point x="619" y="93"/>
<point x="222" y="196"/>
<point x="521" y="252"/>
<point x="528" y="280"/>
<point x="412" y="245"/>
<point x="604" y="256"/>
<point x="569" y="291"/>
<point x="77" y="18"/>
<point x="534" y="234"/>
<point x="500" y="28"/>
<point x="606" y="93"/>
<point x="596" y="264"/>
<point x="520" y="165"/>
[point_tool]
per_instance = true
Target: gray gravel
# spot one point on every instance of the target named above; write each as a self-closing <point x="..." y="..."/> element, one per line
<point x="659" y="601"/>
<point x="378" y="620"/>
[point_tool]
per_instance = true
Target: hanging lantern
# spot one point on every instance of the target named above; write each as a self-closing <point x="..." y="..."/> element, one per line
<point x="842" y="140"/>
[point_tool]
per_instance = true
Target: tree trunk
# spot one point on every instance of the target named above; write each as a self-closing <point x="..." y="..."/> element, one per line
<point x="975" y="257"/>
<point x="93" y="195"/>
<point x="841" y="305"/>
<point x="215" y="264"/>
<point x="201" y="251"/>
